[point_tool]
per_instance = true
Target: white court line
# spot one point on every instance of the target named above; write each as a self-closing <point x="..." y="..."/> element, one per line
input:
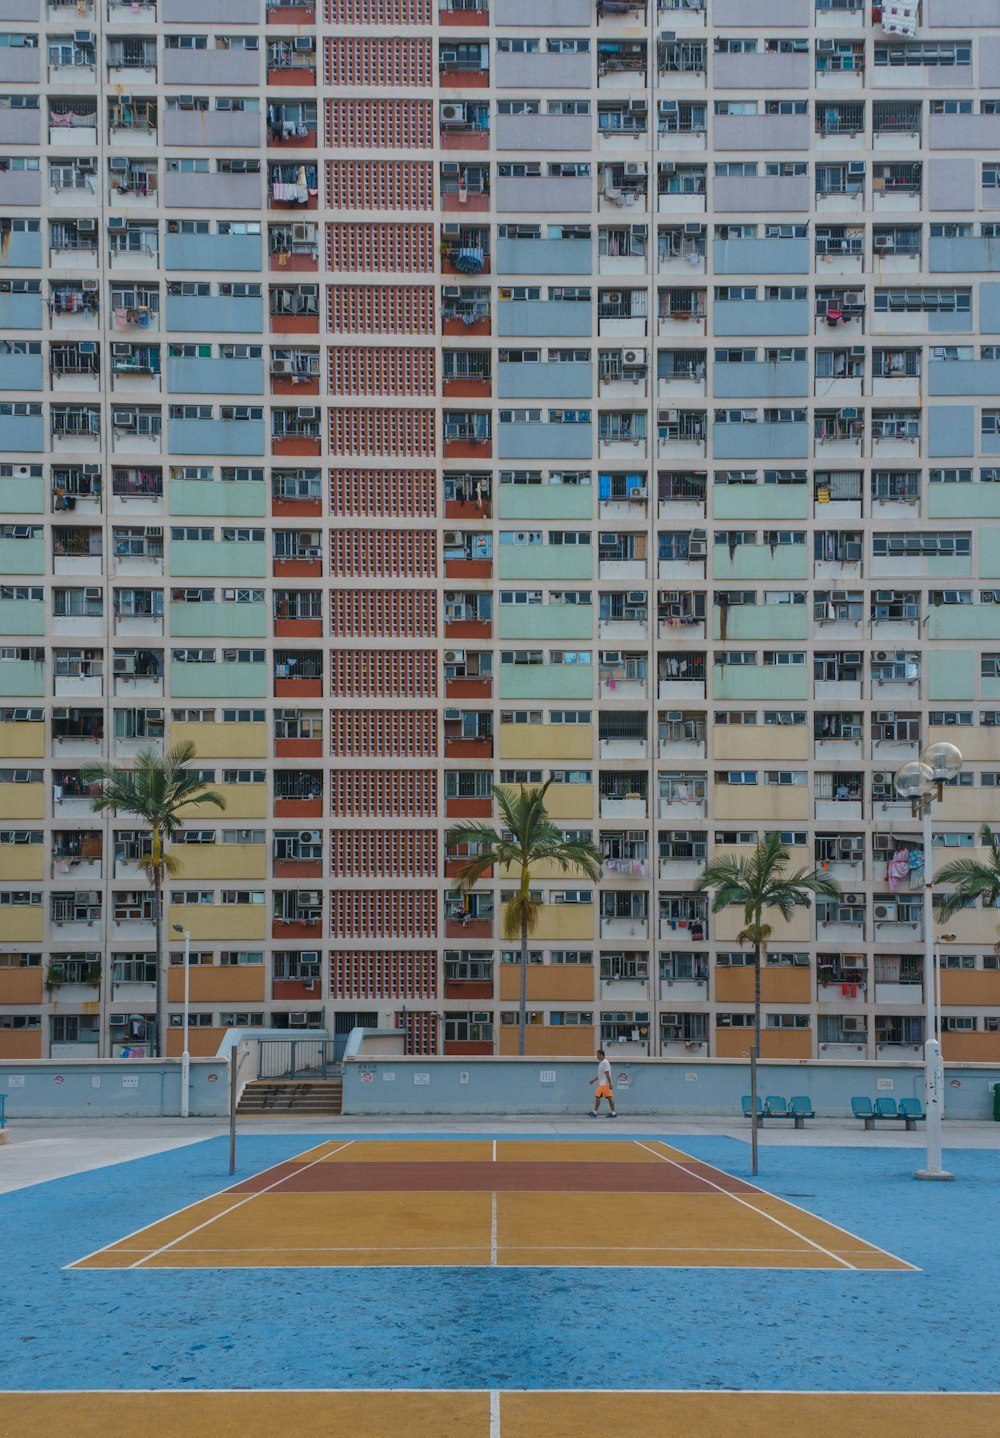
<point x="493" y="1230"/>
<point x="836" y="1226"/>
<point x="742" y="1201"/>
<point x="494" y="1150"/>
<point x="106" y="1247"/>
<point x="494" y="1414"/>
<point x="234" y="1206"/>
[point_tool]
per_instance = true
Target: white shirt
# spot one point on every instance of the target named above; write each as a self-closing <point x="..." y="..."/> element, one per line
<point x="604" y="1074"/>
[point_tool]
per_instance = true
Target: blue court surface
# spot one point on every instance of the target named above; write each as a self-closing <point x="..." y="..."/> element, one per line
<point x="935" y="1328"/>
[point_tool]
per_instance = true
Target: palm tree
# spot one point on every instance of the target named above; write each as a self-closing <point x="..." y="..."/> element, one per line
<point x="972" y="880"/>
<point x="155" y="790"/>
<point x="759" y="883"/>
<point x="528" y="837"/>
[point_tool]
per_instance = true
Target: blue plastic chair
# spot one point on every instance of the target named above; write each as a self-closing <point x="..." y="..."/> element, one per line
<point x="861" y="1108"/>
<point x="775" y="1106"/>
<point x="801" y="1106"/>
<point x="746" y="1105"/>
<point x="911" y="1108"/>
<point x="886" y="1108"/>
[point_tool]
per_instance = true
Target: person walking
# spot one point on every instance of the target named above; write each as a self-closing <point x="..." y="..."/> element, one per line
<point x="604" y="1089"/>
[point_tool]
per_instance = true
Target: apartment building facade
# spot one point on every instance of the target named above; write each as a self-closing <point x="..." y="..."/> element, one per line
<point x="397" y="400"/>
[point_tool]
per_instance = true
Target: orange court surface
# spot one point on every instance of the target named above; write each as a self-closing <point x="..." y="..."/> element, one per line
<point x="493" y="1203"/>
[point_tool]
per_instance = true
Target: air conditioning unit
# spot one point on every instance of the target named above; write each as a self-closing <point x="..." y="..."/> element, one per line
<point x="297" y="1020"/>
<point x="670" y="1019"/>
<point x="118" y="164"/>
<point x="117" y="222"/>
<point x="852" y="1024"/>
<point x="94" y="592"/>
<point x="882" y="656"/>
<point x="693" y="228"/>
<point x="856" y="167"/>
<point x="885" y="912"/>
<point x="634" y="359"/>
<point x="309" y="836"/>
<point x="857" y="351"/>
<point x="452" y="715"/>
<point x="854" y="297"/>
<point x="883" y="242"/>
<point x="454" y="656"/>
<point x="453" y="537"/>
<point x="281" y="366"/>
<point x="668" y="169"/>
<point x="667" y="37"/>
<point x="635" y="597"/>
<point x="22" y="471"/>
<point x="123" y="418"/>
<point x="87" y="347"/>
<point x="851" y="898"/>
<point x="302" y="42"/>
<point x="825" y="47"/>
<point x="123" y="664"/>
<point x="637" y="107"/>
<point x="185" y="102"/>
<point x="452" y="112"/>
<point x="121" y="351"/>
<point x="86" y="227"/>
<point x="89" y="284"/>
<point x="633" y="168"/>
<point x="92" y="470"/>
<point x="310" y="412"/>
<point x="83" y="37"/>
<point x="848" y="414"/>
<point x="87" y="166"/>
<point x="697" y="549"/>
<point x="885" y="716"/>
<point x="668" y="107"/>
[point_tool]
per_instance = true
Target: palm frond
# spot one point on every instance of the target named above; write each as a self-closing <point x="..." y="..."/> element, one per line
<point x="519" y="914"/>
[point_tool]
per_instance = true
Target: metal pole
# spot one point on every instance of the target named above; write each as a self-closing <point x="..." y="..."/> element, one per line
<point x="185" y="1056"/>
<point x="753" y="1108"/>
<point x="933" y="1067"/>
<point x="234" y="1058"/>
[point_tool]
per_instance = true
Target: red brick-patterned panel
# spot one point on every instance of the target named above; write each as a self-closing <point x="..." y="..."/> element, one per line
<point x="378" y="493"/>
<point x="381" y="309"/>
<point x="380" y="124"/>
<point x="375" y="370"/>
<point x="380" y="793"/>
<point x="374" y="64"/>
<point x="375" y="733"/>
<point x="389" y="248"/>
<point x="421" y="1032"/>
<point x="379" y="12"/>
<point x="384" y="673"/>
<point x="380" y="185"/>
<point x="386" y="974"/>
<point x="389" y="853"/>
<point x="379" y="432"/>
<point x="366" y="552"/>
<point x="384" y="613"/>
<point x="383" y="913"/>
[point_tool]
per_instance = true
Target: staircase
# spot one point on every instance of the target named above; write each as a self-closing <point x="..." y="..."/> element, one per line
<point x="292" y="1096"/>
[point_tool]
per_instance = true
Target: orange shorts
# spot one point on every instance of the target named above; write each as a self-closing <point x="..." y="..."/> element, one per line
<point x="602" y="1091"/>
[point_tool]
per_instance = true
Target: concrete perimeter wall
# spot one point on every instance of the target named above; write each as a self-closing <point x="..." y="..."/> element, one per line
<point x="677" y="1088"/>
<point x="112" y="1088"/>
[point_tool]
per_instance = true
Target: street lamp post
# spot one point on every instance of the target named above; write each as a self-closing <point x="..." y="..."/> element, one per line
<point x="185" y="1056"/>
<point x="921" y="781"/>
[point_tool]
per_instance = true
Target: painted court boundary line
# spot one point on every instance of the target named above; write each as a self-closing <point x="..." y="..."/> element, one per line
<point x="627" y="1392"/>
<point x="107" y="1247"/>
<point x="743" y="1202"/>
<point x="799" y="1209"/>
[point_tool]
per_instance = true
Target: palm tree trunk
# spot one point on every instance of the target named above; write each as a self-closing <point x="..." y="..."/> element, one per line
<point x="523" y="1006"/>
<point x="159" y="1044"/>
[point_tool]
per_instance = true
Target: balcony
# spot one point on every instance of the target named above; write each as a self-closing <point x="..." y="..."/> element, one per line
<point x="212" y="190"/>
<point x="214" y="67"/>
<point x="542" y="70"/>
<point x="204" y="128"/>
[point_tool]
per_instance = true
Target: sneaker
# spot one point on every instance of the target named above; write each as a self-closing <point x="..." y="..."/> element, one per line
<point x="613" y="1114"/>
<point x="593" y="1113"/>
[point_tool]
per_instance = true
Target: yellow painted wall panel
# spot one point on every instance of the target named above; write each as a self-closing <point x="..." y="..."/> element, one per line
<point x="565" y="922"/>
<point x="21" y="861"/>
<point x="221" y="861"/>
<point x="22" y="924"/>
<point x="220" y="921"/>
<point x="22" y="741"/>
<point x="762" y="804"/>
<point x="223" y="741"/>
<point x="243" y="801"/>
<point x="970" y="1049"/>
<point x="970" y="987"/>
<point x="22" y="801"/>
<point x="727" y="925"/>
<point x="777" y="986"/>
<point x="570" y="801"/>
<point x="760" y="742"/>
<point x="202" y="1043"/>
<point x="546" y="741"/>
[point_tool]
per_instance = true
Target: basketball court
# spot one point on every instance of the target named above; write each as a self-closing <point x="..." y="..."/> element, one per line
<point x="493" y="1202"/>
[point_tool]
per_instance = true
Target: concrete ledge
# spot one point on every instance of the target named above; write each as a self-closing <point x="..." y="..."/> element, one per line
<point x="111" y="1088"/>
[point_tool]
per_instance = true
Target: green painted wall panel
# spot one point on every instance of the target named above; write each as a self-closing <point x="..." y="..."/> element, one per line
<point x="546" y="681"/>
<point x="22" y="616"/>
<point x="546" y="621"/>
<point x="22" y="496"/>
<point x="545" y="501"/>
<point x="758" y="561"/>
<point x="210" y="559"/>
<point x="963" y="501"/>
<point x="222" y="618"/>
<point x="22" y="556"/>
<point x="760" y="501"/>
<point x="200" y="497"/>
<point x="19" y="678"/>
<point x="762" y="621"/>
<point x="546" y="561"/>
<point x="963" y="621"/>
<point x="218" y="681"/>
<point x="989" y="554"/>
<point x="951" y="674"/>
<point x="760" y="682"/>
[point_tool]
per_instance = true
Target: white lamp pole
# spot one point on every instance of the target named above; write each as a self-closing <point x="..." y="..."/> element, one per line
<point x="920" y="782"/>
<point x="185" y="1056"/>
